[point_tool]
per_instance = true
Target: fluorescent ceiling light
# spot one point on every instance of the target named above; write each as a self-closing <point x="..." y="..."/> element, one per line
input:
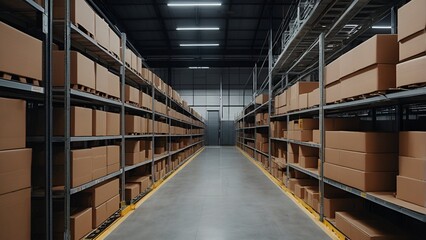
<point x="197" y="28"/>
<point x="381" y="27"/>
<point x="351" y="25"/>
<point x="199" y="44"/>
<point x="198" y="67"/>
<point x="194" y="4"/>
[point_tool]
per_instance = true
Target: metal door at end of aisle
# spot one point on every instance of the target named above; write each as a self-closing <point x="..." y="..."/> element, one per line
<point x="213" y="128"/>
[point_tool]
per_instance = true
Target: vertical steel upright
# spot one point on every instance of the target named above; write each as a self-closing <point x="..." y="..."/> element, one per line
<point x="67" y="113"/>
<point x="321" y="66"/>
<point x="122" y="119"/>
<point x="254" y="81"/>
<point x="270" y="59"/>
<point x="153" y="132"/>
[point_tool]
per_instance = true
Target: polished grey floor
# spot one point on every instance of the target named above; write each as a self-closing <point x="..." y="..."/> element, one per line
<point x="219" y="195"/>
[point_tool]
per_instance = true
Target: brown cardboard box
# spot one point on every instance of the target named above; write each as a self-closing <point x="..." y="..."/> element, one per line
<point x="411" y="19"/>
<point x="369" y="142"/>
<point x="142" y="181"/>
<point x="132" y="191"/>
<point x="308" y="162"/>
<point x="81" y="14"/>
<point x="303" y="101"/>
<point x="102" y="193"/>
<point x="308" y="151"/>
<point x="81" y="122"/>
<point x="19" y="49"/>
<point x="412" y="167"/>
<point x="411" y="72"/>
<point x="134" y="61"/>
<point x="15" y="170"/>
<point x="133" y="146"/>
<point x="132" y="158"/>
<point x="299" y="191"/>
<point x="113" y="168"/>
<point x="113" y="154"/>
<point x="311" y="194"/>
<point x="333" y="205"/>
<point x="81" y="224"/>
<point x="81" y="167"/>
<point x="104" y="211"/>
<point x="82" y="70"/>
<point x="375" y="78"/>
<point x="144" y="124"/>
<point x="114" y="43"/>
<point x="316" y="136"/>
<point x="113" y="124"/>
<point x="15" y="220"/>
<point x="413" y="46"/>
<point x="133" y="124"/>
<point x="332" y="72"/>
<point x="113" y="85"/>
<point x="364" y="181"/>
<point x="332" y="92"/>
<point x="99" y="166"/>
<point x="102" y="31"/>
<point x="99" y="126"/>
<point x="411" y="190"/>
<point x="379" y="49"/>
<point x="314" y="98"/>
<point x="308" y="124"/>
<point x="369" y="162"/>
<point x="12" y="123"/>
<point x="300" y="135"/>
<point x="411" y="144"/>
<point x="356" y="225"/>
<point x="131" y="94"/>
<point x="261" y="98"/>
<point x="101" y="84"/>
<point x="128" y="57"/>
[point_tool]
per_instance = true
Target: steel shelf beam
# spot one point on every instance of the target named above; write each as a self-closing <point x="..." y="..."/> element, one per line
<point x="12" y="85"/>
<point x="95" y="182"/>
<point x="304" y="170"/>
<point x="80" y="95"/>
<point x="300" y="112"/>
<point x="307" y="144"/>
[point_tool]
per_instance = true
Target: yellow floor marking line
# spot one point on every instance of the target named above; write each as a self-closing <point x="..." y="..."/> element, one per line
<point x="312" y="214"/>
<point x="130" y="209"/>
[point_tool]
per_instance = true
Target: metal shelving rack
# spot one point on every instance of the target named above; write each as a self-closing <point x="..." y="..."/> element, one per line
<point x="72" y="37"/>
<point x="319" y="34"/>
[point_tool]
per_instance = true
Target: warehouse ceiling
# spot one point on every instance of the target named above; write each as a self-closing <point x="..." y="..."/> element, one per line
<point x="151" y="26"/>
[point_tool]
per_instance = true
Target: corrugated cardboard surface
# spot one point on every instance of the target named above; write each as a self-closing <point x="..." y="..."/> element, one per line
<point x="15" y="170"/>
<point x="133" y="124"/>
<point x="113" y="154"/>
<point x="412" y="167"/>
<point x="114" y="43"/>
<point x="28" y="54"/>
<point x="132" y="158"/>
<point x="411" y="190"/>
<point x="370" y="142"/>
<point x="12" y="124"/>
<point x="81" y="167"/>
<point x="101" y="79"/>
<point x="314" y="98"/>
<point x="82" y="70"/>
<point x="412" y="144"/>
<point x="415" y="45"/>
<point x="132" y="190"/>
<point x="99" y="127"/>
<point x="81" y="14"/>
<point x="15" y="217"/>
<point x="113" y="124"/>
<point x="411" y="72"/>
<point x="113" y="85"/>
<point x="104" y="192"/>
<point x="131" y="94"/>
<point x="81" y="224"/>
<point x="332" y="92"/>
<point x="333" y="205"/>
<point x="308" y="162"/>
<point x="99" y="162"/>
<point x="411" y="18"/>
<point x="101" y="31"/>
<point x="332" y="72"/>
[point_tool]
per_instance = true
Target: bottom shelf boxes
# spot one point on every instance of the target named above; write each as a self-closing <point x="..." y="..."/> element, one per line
<point x="15" y="217"/>
<point x="81" y="223"/>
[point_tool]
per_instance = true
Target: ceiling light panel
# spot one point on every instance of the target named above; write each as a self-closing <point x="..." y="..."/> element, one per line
<point x="199" y="44"/>
<point x="194" y="4"/>
<point x="197" y="29"/>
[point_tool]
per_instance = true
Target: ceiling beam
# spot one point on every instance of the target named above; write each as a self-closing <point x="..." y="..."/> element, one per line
<point x="161" y="19"/>
<point x="121" y="3"/>
<point x="128" y="19"/>
<point x="258" y="22"/>
<point x="158" y="51"/>
<point x="196" y="62"/>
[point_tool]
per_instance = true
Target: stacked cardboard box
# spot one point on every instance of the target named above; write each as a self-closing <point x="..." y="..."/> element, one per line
<point x="363" y="160"/>
<point x="135" y="153"/>
<point x="261" y="98"/>
<point x="308" y="157"/>
<point x="412" y="47"/>
<point x="15" y="171"/>
<point x="82" y="71"/>
<point x="302" y="129"/>
<point x="411" y="181"/>
<point x="131" y="95"/>
<point x="280" y="103"/>
<point x="145" y="101"/>
<point x="297" y="97"/>
<point x="136" y="185"/>
<point x="26" y="51"/>
<point x="113" y="158"/>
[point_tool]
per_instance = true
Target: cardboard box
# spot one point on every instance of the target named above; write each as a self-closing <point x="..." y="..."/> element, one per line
<point x="113" y="124"/>
<point x="101" y="84"/>
<point x="81" y="167"/>
<point x="134" y="61"/>
<point x="15" y="220"/>
<point x="132" y="190"/>
<point x="411" y="144"/>
<point x="300" y="135"/>
<point x="412" y="167"/>
<point x="131" y="94"/>
<point x="308" y="124"/>
<point x="333" y="205"/>
<point x="113" y="154"/>
<point x="114" y="43"/>
<point x="367" y="142"/>
<point x="99" y="166"/>
<point x="299" y="191"/>
<point x="113" y="85"/>
<point x="380" y="77"/>
<point x="364" y="181"/>
<point x="411" y="190"/>
<point x="133" y="124"/>
<point x="379" y="49"/>
<point x="261" y="98"/>
<point x="99" y="125"/>
<point x="102" y="212"/>
<point x="311" y="196"/>
<point x="411" y="19"/>
<point x="316" y="136"/>
<point x="81" y="224"/>
<point x="19" y="49"/>
<point x="82" y="70"/>
<point x="132" y="158"/>
<point x="414" y="46"/>
<point x="102" y="193"/>
<point x="128" y="57"/>
<point x="332" y="92"/>
<point x="357" y="225"/>
<point x="411" y="72"/>
<point x="80" y="125"/>
<point x="332" y="72"/>
<point x="308" y="162"/>
<point x="81" y="14"/>
<point x="101" y="32"/>
<point x="12" y="123"/>
<point x="314" y="98"/>
<point x="369" y="162"/>
<point x="15" y="170"/>
<point x="303" y="101"/>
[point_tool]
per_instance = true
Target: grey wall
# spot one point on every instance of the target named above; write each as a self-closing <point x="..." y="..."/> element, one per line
<point x="202" y="90"/>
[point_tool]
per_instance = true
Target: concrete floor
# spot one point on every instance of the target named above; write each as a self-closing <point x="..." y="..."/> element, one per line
<point x="219" y="195"/>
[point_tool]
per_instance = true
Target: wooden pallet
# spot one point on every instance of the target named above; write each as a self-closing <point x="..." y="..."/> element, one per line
<point x="101" y="94"/>
<point x="115" y="55"/>
<point x="365" y="96"/>
<point x="83" y="88"/>
<point x="412" y="86"/>
<point x="132" y="103"/>
<point x="114" y="98"/>
<point x="21" y="79"/>
<point x="84" y="30"/>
